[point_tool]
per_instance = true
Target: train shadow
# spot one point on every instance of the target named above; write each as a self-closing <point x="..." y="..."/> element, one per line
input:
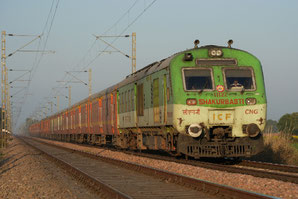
<point x="7" y="162"/>
<point x="5" y="170"/>
<point x="269" y="155"/>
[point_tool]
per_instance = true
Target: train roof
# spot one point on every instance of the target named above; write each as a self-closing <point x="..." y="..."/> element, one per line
<point x="147" y="70"/>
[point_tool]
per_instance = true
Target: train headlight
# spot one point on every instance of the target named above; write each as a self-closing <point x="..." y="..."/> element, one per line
<point x="252" y="130"/>
<point x="251" y="101"/>
<point x="218" y="53"/>
<point x="215" y="52"/>
<point x="191" y="102"/>
<point x="195" y="130"/>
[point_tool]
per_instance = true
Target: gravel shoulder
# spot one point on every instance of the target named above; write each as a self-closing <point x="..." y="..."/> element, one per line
<point x="260" y="185"/>
<point x="25" y="173"/>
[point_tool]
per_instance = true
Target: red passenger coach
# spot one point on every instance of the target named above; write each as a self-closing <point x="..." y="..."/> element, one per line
<point x="84" y="118"/>
<point x="77" y="119"/>
<point x="93" y="115"/>
<point x="71" y="121"/>
<point x="93" y="120"/>
<point x="34" y="129"/>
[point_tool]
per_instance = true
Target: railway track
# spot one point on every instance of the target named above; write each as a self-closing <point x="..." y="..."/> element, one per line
<point x="127" y="180"/>
<point x="286" y="173"/>
<point x="270" y="166"/>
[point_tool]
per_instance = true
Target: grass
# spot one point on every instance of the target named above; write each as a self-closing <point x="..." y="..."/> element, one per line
<point x="295" y="141"/>
<point x="279" y="149"/>
<point x="1" y="154"/>
<point x="295" y="145"/>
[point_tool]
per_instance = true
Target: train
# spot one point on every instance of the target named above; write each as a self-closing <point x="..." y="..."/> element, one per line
<point x="207" y="101"/>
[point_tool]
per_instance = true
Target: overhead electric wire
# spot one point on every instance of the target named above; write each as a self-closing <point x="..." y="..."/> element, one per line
<point x="46" y="40"/>
<point x="109" y="29"/>
<point x="120" y="18"/>
<point x="10" y="54"/>
<point x="125" y="29"/>
<point x="128" y="26"/>
<point x="37" y="61"/>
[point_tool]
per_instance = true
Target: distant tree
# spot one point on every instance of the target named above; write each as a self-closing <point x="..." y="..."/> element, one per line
<point x="271" y="126"/>
<point x="295" y="121"/>
<point x="27" y="124"/>
<point x="288" y="124"/>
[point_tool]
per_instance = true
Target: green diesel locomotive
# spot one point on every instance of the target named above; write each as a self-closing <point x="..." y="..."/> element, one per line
<point x="203" y="102"/>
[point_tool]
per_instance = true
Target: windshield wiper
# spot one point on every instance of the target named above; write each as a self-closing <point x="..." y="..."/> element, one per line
<point x="205" y="85"/>
<point x="242" y="90"/>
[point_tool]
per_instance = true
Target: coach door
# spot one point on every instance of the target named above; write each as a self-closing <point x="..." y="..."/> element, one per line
<point x="165" y="99"/>
<point x="113" y="112"/>
<point x="139" y="102"/>
<point x="156" y="110"/>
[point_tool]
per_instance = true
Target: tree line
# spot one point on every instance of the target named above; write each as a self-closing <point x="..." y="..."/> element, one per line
<point x="286" y="125"/>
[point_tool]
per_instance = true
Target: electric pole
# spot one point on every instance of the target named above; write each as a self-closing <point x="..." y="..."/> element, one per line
<point x="3" y="90"/>
<point x="133" y="56"/>
<point x="134" y="53"/>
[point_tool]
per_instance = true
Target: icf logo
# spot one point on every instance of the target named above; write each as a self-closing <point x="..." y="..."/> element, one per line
<point x="220" y="88"/>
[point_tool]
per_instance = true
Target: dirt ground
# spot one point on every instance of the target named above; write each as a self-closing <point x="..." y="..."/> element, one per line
<point x="25" y="173"/>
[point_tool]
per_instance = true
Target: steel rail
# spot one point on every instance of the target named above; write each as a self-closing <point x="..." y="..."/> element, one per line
<point x="271" y="166"/>
<point x="286" y="177"/>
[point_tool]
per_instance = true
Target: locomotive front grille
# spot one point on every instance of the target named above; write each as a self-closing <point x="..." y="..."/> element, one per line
<point x="220" y="151"/>
<point x="202" y="147"/>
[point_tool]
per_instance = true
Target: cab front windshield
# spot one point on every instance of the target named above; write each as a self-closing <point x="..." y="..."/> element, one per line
<point x="197" y="79"/>
<point x="239" y="79"/>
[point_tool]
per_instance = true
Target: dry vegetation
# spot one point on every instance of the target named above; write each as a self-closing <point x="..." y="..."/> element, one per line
<point x="278" y="149"/>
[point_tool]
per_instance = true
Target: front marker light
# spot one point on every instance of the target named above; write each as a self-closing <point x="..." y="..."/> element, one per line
<point x="191" y="102"/>
<point x="251" y="101"/>
<point x="218" y="53"/>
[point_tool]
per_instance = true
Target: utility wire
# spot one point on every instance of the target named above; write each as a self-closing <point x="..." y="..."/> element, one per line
<point x="88" y="52"/>
<point x="127" y="27"/>
<point x="109" y="29"/>
<point x="122" y="17"/>
<point x="37" y="61"/>
<point x="38" y="37"/>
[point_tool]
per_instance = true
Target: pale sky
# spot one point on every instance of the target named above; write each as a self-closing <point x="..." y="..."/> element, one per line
<point x="267" y="29"/>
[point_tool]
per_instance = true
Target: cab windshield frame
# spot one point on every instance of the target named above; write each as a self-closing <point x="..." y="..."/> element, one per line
<point x="240" y="87"/>
<point x="184" y="69"/>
